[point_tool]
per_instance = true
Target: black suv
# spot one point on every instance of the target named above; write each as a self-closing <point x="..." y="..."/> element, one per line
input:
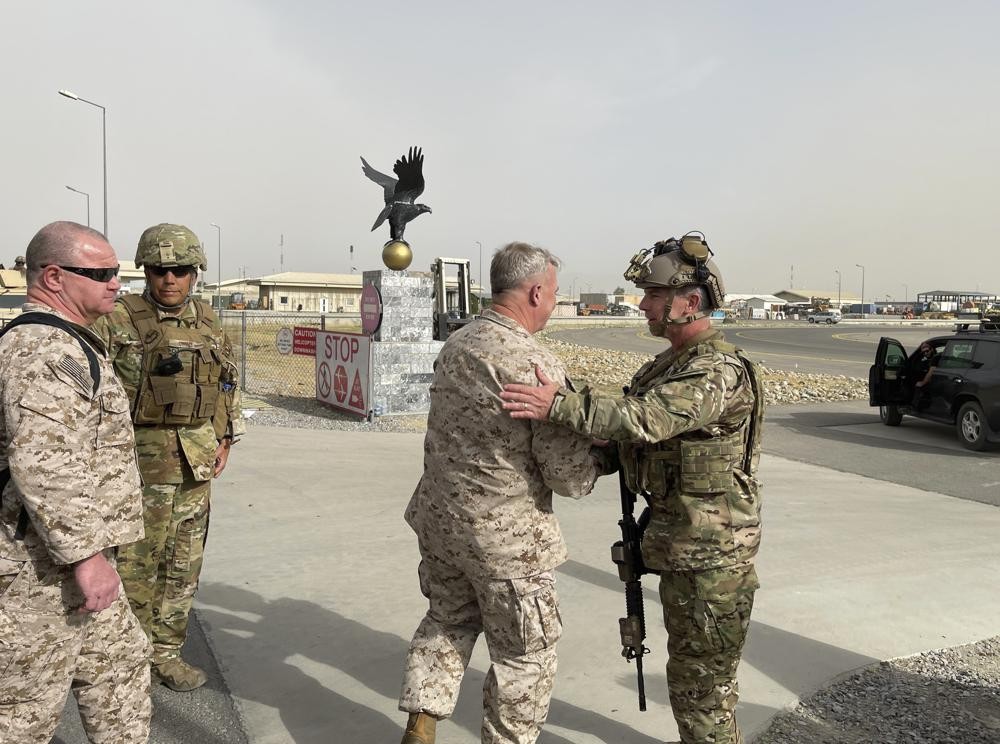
<point x="964" y="386"/>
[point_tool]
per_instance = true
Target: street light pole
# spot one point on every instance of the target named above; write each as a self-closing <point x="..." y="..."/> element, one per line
<point x="104" y="149"/>
<point x="218" y="287"/>
<point x="480" y="275"/>
<point x="862" y="290"/>
<point x="837" y="272"/>
<point x="77" y="191"/>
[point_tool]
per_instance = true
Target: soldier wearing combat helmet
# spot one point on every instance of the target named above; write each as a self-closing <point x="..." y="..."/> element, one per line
<point x="177" y="366"/>
<point x="687" y="436"/>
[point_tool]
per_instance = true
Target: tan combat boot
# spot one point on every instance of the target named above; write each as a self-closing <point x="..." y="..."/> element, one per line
<point x="420" y="729"/>
<point x="178" y="675"/>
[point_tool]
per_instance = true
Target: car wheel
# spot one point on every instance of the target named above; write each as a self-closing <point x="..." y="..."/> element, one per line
<point x="812" y="320"/>
<point x="829" y="321"/>
<point x="971" y="427"/>
<point x="890" y="415"/>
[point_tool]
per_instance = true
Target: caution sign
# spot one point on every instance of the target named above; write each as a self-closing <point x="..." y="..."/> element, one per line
<point x="303" y="341"/>
<point x="343" y="370"/>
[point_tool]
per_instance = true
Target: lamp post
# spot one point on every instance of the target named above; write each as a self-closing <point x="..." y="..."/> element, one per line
<point x="77" y="191"/>
<point x="104" y="149"/>
<point x="837" y="272"/>
<point x="862" y="290"/>
<point x="480" y="275"/>
<point x="218" y="287"/>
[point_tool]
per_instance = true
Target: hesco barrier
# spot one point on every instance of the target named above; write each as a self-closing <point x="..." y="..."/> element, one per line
<point x="263" y="369"/>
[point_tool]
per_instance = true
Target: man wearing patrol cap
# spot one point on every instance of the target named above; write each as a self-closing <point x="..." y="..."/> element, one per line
<point x="687" y="435"/>
<point x="176" y="364"/>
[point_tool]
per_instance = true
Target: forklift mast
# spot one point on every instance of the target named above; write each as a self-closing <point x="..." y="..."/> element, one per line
<point x="450" y="318"/>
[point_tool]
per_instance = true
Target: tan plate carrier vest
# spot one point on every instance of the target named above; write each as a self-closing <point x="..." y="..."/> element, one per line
<point x="190" y="395"/>
<point x="698" y="464"/>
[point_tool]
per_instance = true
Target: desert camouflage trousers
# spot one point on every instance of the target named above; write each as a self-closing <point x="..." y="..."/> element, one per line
<point x="520" y="619"/>
<point x="46" y="649"/>
<point x="161" y="571"/>
<point x="707" y="614"/>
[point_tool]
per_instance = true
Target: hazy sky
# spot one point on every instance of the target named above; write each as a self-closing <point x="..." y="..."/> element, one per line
<point x="805" y="134"/>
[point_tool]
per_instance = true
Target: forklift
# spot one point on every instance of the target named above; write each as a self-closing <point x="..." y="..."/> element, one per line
<point x="452" y="310"/>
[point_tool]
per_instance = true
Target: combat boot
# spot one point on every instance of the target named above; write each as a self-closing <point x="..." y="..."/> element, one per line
<point x="178" y="675"/>
<point x="420" y="729"/>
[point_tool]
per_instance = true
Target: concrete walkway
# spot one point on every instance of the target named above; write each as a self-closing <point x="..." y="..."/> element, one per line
<point x="310" y="594"/>
<point x="309" y="597"/>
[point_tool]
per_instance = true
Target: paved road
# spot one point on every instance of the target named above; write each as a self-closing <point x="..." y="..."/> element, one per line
<point x="839" y="350"/>
<point x="849" y="437"/>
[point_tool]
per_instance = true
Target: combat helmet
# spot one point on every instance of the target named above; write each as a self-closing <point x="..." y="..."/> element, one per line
<point x="676" y="263"/>
<point x="170" y="245"/>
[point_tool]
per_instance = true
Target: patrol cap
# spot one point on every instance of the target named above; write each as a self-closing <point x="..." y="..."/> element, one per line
<point x="170" y="245"/>
<point x="678" y="263"/>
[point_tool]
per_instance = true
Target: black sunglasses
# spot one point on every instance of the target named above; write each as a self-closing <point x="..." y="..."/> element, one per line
<point x="177" y="271"/>
<point x="98" y="275"/>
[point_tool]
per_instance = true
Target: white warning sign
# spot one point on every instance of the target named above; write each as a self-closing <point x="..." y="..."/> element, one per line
<point x="343" y="370"/>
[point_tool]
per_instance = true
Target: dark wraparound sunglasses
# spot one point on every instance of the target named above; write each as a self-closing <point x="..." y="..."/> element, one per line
<point x="102" y="275"/>
<point x="177" y="271"/>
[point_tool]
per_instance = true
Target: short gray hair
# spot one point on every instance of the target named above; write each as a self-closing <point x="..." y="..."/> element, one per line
<point x="695" y="289"/>
<point x="515" y="262"/>
<point x="56" y="244"/>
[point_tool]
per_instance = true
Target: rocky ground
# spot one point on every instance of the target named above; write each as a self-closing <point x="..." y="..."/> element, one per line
<point x="605" y="370"/>
<point x="950" y="696"/>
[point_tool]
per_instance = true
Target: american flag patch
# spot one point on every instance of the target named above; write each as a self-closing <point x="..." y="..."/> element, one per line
<point x="75" y="370"/>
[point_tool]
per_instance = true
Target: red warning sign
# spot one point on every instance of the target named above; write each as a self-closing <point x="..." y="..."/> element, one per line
<point x="340" y="383"/>
<point x="357" y="394"/>
<point x="343" y="370"/>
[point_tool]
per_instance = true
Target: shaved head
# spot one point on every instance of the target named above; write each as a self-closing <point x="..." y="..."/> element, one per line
<point x="57" y="243"/>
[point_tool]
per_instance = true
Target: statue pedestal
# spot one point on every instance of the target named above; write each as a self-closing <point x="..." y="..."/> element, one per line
<point x="403" y="348"/>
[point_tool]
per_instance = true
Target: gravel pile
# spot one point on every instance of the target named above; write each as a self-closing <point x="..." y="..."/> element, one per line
<point x="939" y="697"/>
<point x="610" y="370"/>
<point x="606" y="370"/>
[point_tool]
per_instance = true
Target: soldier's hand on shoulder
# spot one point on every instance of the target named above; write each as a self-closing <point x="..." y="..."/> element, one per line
<point x="530" y="401"/>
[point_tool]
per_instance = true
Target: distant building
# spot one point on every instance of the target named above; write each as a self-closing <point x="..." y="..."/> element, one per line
<point x="812" y="297"/>
<point x="308" y="291"/>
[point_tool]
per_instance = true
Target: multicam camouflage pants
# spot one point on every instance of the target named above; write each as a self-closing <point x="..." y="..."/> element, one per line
<point x="706" y="614"/>
<point x="46" y="648"/>
<point x="160" y="572"/>
<point x="520" y="619"/>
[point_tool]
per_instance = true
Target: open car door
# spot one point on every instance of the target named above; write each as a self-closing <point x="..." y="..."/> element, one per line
<point x="886" y="378"/>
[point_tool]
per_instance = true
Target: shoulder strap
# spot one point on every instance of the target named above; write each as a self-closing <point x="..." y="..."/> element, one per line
<point x="751" y="448"/>
<point x="204" y="315"/>
<point x="56" y="322"/>
<point x="95" y="374"/>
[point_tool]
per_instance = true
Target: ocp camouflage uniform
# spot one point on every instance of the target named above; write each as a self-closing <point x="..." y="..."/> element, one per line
<point x="73" y="491"/>
<point x="179" y="421"/>
<point x="489" y="541"/>
<point x="688" y="436"/>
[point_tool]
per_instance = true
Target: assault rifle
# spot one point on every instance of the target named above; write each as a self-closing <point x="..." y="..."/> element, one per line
<point x="627" y="555"/>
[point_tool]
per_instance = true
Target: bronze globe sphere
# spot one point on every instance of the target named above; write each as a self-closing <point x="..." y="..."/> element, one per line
<point x="396" y="255"/>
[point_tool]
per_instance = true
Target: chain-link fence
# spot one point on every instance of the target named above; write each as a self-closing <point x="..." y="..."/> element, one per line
<point x="265" y="371"/>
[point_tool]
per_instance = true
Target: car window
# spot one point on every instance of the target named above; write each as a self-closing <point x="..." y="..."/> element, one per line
<point x="895" y="359"/>
<point x="987" y="354"/>
<point x="957" y="354"/>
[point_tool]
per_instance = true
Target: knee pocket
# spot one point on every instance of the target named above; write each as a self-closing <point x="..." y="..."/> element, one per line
<point x="709" y="612"/>
<point x="524" y="617"/>
<point x="189" y="542"/>
<point x="31" y="659"/>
